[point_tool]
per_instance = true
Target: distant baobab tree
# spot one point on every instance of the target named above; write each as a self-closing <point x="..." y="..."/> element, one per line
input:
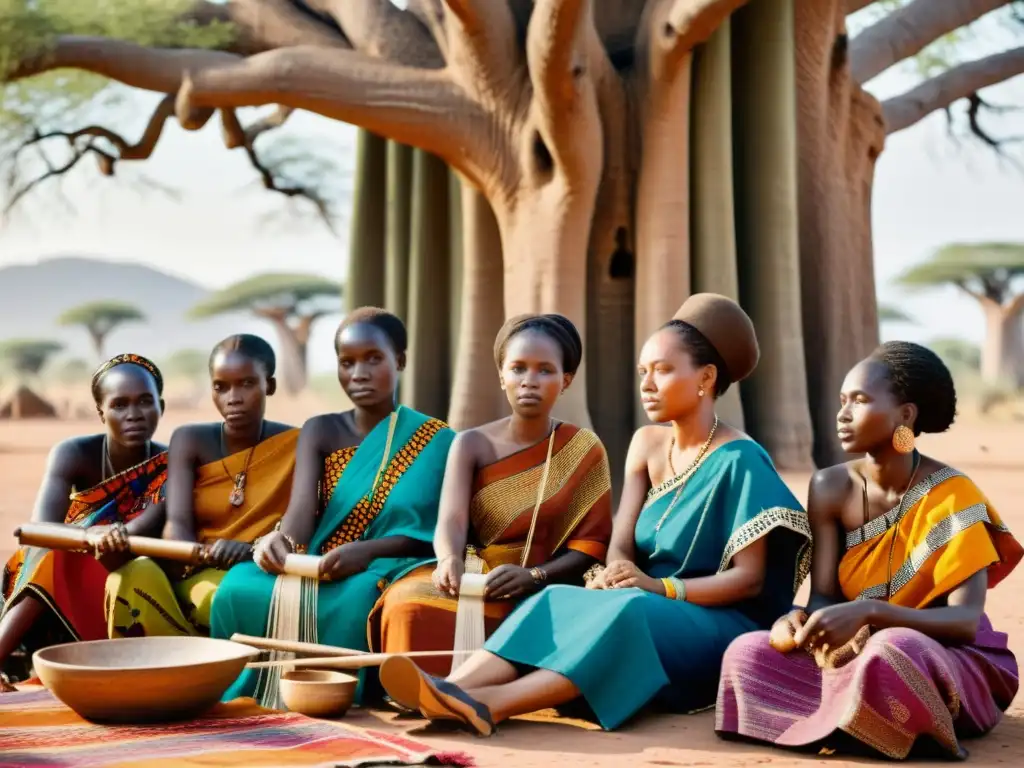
<point x="291" y="302"/>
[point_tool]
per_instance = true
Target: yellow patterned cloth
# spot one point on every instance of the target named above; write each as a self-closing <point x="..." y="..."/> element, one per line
<point x="140" y="599"/>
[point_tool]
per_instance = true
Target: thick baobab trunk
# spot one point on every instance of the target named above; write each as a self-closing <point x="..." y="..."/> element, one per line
<point x="292" y="352"/>
<point x="399" y="184"/>
<point x="1002" y="353"/>
<point x="476" y="394"/>
<point x="775" y="398"/>
<point x="663" y="207"/>
<point x="544" y="237"/>
<point x="365" y="284"/>
<point x="455" y="261"/>
<point x="713" y="213"/>
<point x="426" y="382"/>
<point x="836" y="164"/>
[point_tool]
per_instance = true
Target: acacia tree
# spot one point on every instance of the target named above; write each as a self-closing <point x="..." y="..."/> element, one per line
<point x="291" y="303"/>
<point x="990" y="274"/>
<point x="28" y="357"/>
<point x="100" y="318"/>
<point x="572" y="119"/>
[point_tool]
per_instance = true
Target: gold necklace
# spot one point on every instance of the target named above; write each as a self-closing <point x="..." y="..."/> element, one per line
<point x="237" y="496"/>
<point x="687" y="472"/>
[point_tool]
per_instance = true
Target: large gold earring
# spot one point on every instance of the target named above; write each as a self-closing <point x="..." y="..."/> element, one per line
<point x="903" y="439"/>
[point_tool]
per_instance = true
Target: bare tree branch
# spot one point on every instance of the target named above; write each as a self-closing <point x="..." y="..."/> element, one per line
<point x="380" y="29"/>
<point x="422" y="108"/>
<point x="158" y="69"/>
<point x="555" y="50"/>
<point x="957" y="83"/>
<point x="140" y="150"/>
<point x="262" y="25"/>
<point x="564" y="105"/>
<point x="481" y="44"/>
<point x="907" y="31"/>
<point x="236" y="136"/>
<point x="694" y="21"/>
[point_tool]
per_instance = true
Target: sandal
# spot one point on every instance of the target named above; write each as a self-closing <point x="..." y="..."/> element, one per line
<point x="436" y="699"/>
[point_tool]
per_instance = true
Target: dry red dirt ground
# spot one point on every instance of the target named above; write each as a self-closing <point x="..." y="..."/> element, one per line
<point x="991" y="453"/>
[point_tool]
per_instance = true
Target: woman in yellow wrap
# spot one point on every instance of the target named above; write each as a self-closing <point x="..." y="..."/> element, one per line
<point x="228" y="484"/>
<point x="894" y="649"/>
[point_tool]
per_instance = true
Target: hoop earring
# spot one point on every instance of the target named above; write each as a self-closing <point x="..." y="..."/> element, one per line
<point x="903" y="439"/>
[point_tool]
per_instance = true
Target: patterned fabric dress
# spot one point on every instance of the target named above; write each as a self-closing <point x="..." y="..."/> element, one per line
<point x="902" y="686"/>
<point x="402" y="501"/>
<point x="576" y="514"/>
<point x="71" y="584"/>
<point x="625" y="648"/>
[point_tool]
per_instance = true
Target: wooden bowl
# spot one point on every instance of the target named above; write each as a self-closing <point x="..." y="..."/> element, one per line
<point x="318" y="692"/>
<point x="141" y="679"/>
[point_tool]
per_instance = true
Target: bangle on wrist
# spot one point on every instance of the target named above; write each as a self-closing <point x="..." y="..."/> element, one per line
<point x="679" y="587"/>
<point x="670" y="588"/>
<point x="539" y="575"/>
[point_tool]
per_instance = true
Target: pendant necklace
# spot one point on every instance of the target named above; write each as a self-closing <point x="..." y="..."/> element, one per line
<point x="687" y="472"/>
<point x="237" y="496"/>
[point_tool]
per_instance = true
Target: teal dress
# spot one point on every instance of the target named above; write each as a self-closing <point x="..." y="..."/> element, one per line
<point x="403" y="503"/>
<point x="625" y="648"/>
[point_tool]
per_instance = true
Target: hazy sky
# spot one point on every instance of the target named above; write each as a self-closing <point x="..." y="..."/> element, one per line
<point x="928" y="191"/>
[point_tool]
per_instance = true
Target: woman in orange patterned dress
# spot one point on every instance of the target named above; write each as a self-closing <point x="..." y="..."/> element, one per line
<point x="114" y="481"/>
<point x="531" y="497"/>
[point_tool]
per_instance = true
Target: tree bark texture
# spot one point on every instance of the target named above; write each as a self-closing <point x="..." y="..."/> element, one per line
<point x="1002" y="354"/>
<point x="426" y="384"/>
<point x="713" y="210"/>
<point x="840" y="135"/>
<point x="764" y="125"/>
<point x="610" y="162"/>
<point x="366" y="257"/>
<point x="399" y="188"/>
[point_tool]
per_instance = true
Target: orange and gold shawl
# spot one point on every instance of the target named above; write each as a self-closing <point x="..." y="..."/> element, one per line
<point x="947" y="532"/>
<point x="268" y="487"/>
<point x="576" y="512"/>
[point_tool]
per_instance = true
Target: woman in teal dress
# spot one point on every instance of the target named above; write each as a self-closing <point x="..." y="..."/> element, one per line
<point x="365" y="496"/>
<point x="708" y="543"/>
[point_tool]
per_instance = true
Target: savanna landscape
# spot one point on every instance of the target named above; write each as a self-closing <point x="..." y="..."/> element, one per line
<point x="848" y="170"/>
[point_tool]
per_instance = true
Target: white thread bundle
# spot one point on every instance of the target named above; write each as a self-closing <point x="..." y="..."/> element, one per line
<point x="469" y="618"/>
<point x="292" y="618"/>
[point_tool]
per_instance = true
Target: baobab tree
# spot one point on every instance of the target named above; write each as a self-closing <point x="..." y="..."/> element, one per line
<point x="993" y="275"/>
<point x="100" y="319"/>
<point x="572" y="125"/>
<point x="291" y="303"/>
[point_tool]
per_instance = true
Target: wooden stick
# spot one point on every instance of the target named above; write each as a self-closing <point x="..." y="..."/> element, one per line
<point x="71" y="538"/>
<point x="348" y="662"/>
<point x="289" y="646"/>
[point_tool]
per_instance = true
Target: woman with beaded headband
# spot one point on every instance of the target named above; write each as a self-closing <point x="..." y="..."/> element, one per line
<point x="894" y="644"/>
<point x="364" y="497"/>
<point x="706" y="545"/>
<point x="227" y="485"/>
<point x="111" y="483"/>
<point x="530" y="495"/>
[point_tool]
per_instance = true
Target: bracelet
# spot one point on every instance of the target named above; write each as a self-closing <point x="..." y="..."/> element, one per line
<point x="593" y="572"/>
<point x="670" y="589"/>
<point x="539" y="575"/>
<point x="678" y="588"/>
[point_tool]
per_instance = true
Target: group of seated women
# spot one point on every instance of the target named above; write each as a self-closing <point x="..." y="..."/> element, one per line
<point x="684" y="600"/>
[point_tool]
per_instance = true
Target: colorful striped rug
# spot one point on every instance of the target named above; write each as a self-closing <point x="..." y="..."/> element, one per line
<point x="37" y="731"/>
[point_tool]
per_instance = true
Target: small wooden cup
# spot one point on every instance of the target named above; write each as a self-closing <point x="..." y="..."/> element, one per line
<point x="318" y="692"/>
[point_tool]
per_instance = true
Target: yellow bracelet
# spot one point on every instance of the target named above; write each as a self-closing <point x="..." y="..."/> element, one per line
<point x="670" y="589"/>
